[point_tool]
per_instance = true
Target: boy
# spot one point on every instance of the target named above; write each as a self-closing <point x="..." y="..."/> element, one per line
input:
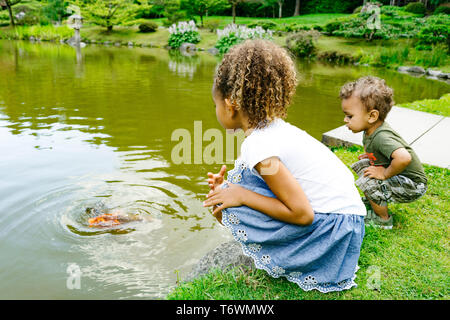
<point x="390" y="170"/>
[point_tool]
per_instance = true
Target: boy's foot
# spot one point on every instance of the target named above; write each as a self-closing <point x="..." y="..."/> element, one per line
<point x="376" y="221"/>
<point x="369" y="210"/>
<point x="372" y="219"/>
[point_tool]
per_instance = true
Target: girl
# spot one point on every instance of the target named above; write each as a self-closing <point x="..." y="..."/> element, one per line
<point x="289" y="201"/>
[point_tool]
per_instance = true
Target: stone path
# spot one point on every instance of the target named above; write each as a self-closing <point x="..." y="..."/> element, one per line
<point x="428" y="134"/>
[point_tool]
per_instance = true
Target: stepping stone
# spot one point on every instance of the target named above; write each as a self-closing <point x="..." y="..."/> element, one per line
<point x="433" y="147"/>
<point x="416" y="127"/>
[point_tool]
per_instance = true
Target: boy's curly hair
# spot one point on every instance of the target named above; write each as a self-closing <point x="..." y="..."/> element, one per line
<point x="373" y="93"/>
<point x="258" y="77"/>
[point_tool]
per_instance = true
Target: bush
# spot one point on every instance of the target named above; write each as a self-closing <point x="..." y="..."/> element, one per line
<point x="435" y="30"/>
<point x="415" y="7"/>
<point x="232" y="35"/>
<point x="183" y="32"/>
<point x="302" y="43"/>
<point x="212" y="25"/>
<point x="148" y="27"/>
<point x="442" y="9"/>
<point x="266" y="25"/>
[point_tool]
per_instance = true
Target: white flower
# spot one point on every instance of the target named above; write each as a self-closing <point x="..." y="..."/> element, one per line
<point x="244" y="33"/>
<point x="254" y="247"/>
<point x="241" y="235"/>
<point x="278" y="270"/>
<point x="265" y="259"/>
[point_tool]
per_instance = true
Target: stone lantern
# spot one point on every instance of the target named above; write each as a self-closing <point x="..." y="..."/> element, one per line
<point x="75" y="22"/>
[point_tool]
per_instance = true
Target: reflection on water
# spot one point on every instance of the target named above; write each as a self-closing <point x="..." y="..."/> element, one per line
<point x="77" y="131"/>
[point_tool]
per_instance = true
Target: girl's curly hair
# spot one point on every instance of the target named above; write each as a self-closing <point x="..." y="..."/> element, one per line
<point x="258" y="77"/>
<point x="373" y="92"/>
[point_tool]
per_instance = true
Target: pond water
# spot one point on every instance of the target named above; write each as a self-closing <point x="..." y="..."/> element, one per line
<point x="97" y="125"/>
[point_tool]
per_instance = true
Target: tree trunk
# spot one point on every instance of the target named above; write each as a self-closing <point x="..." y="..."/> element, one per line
<point x="297" y="8"/>
<point x="280" y="10"/>
<point x="109" y="28"/>
<point x="234" y="12"/>
<point x="11" y="17"/>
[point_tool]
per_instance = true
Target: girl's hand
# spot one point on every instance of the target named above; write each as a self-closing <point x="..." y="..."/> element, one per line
<point x="375" y="172"/>
<point x="224" y="198"/>
<point x="215" y="180"/>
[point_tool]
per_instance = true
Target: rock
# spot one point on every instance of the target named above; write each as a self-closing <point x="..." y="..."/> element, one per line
<point x="106" y="43"/>
<point x="213" y="51"/>
<point x="226" y="256"/>
<point x="188" y="49"/>
<point x="434" y="73"/>
<point x="413" y="69"/>
<point x="117" y="44"/>
<point x="130" y="43"/>
<point x="443" y="75"/>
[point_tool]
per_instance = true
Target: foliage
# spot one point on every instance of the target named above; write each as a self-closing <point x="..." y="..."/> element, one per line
<point x="173" y="12"/>
<point x="212" y="25"/>
<point x="202" y="7"/>
<point x="266" y="25"/>
<point x="415" y="7"/>
<point x="46" y="33"/>
<point x="442" y="9"/>
<point x="302" y="43"/>
<point x="148" y="27"/>
<point x="55" y="10"/>
<point x="108" y="13"/>
<point x="440" y="106"/>
<point x="435" y="30"/>
<point x="183" y="32"/>
<point x="395" y="24"/>
<point x="318" y="6"/>
<point x="233" y="34"/>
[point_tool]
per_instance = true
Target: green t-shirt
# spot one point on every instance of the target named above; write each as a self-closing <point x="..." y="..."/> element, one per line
<point x="383" y="142"/>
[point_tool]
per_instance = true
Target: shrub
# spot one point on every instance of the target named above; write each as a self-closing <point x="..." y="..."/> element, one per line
<point x="442" y="9"/>
<point x="336" y="57"/>
<point x="232" y="35"/>
<point x="302" y="44"/>
<point x="435" y="30"/>
<point x="212" y="25"/>
<point x="183" y="32"/>
<point x="415" y="7"/>
<point x="148" y="27"/>
<point x="266" y="25"/>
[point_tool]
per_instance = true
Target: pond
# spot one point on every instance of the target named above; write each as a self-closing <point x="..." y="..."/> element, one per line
<point x="77" y="128"/>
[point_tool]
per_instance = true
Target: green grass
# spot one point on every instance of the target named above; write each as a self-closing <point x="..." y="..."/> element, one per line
<point x="412" y="259"/>
<point x="436" y="106"/>
<point x="386" y="53"/>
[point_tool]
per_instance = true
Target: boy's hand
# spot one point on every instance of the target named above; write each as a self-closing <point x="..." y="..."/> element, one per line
<point x="375" y="172"/>
<point x="215" y="180"/>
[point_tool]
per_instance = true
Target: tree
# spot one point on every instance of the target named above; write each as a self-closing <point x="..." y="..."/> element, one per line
<point x="234" y="3"/>
<point x="297" y="8"/>
<point x="201" y="7"/>
<point x="56" y="10"/>
<point x="9" y="4"/>
<point x="109" y="13"/>
<point x="280" y="8"/>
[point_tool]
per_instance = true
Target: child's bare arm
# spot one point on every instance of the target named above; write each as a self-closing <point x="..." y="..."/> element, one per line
<point x="400" y="160"/>
<point x="290" y="205"/>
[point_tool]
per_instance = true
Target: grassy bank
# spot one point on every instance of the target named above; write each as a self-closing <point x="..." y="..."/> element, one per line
<point x="436" y="106"/>
<point x="381" y="53"/>
<point x="411" y="260"/>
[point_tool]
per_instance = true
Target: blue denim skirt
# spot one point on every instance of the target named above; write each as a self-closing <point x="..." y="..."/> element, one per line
<point x="322" y="256"/>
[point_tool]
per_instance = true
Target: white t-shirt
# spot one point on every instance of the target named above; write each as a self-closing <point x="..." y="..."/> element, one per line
<point x="326" y="181"/>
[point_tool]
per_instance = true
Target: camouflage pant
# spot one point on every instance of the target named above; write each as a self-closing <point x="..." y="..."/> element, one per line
<point x="397" y="189"/>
